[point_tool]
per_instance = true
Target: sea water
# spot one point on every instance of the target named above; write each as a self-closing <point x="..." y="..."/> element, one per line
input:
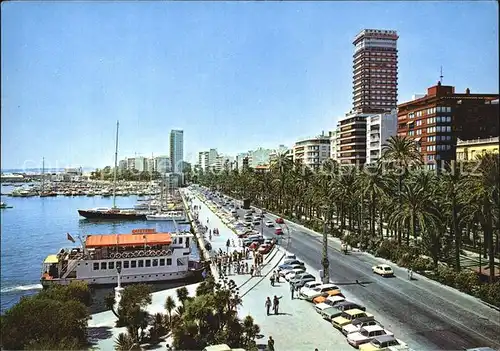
<point x="36" y="227"/>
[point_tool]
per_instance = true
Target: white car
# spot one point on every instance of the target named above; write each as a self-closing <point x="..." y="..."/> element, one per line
<point x="331" y="301"/>
<point x="318" y="291"/>
<point x="294" y="272"/>
<point x="389" y="343"/>
<point x="309" y="286"/>
<point x="290" y="257"/>
<point x="284" y="272"/>
<point x="366" y="334"/>
<point x="383" y="269"/>
<point x="269" y="224"/>
<point x="357" y="324"/>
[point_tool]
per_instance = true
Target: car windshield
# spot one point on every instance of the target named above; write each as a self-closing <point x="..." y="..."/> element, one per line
<point x="387" y="268"/>
<point x="365" y="332"/>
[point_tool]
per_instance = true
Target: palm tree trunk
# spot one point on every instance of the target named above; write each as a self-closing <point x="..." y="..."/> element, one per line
<point x="457" y="233"/>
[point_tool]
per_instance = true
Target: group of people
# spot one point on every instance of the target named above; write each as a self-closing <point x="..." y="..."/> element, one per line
<point x="274" y="304"/>
<point x="232" y="262"/>
<point x="215" y="232"/>
<point x="275" y="277"/>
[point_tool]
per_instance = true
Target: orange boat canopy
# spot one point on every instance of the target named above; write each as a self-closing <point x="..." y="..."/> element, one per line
<point x="128" y="240"/>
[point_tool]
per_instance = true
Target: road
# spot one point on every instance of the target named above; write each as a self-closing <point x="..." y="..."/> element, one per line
<point x="421" y="312"/>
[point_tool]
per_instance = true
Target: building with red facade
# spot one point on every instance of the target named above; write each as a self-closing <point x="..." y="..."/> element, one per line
<point x="442" y="116"/>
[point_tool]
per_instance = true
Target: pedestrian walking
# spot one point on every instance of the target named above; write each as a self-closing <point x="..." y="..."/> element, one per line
<point x="408" y="273"/>
<point x="268" y="305"/>
<point x="270" y="344"/>
<point x="292" y="290"/>
<point x="411" y="274"/>
<point x="272" y="279"/>
<point x="277" y="275"/>
<point x="276" y="303"/>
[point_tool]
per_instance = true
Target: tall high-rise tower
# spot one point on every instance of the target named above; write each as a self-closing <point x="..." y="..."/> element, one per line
<point x="177" y="150"/>
<point x="375" y="76"/>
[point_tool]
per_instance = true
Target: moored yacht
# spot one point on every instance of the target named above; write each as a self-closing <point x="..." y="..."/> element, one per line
<point x="143" y="256"/>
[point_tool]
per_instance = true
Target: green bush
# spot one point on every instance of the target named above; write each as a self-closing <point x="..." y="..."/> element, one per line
<point x="387" y="249"/>
<point x="490" y="293"/>
<point x="422" y="263"/>
<point x="466" y="281"/>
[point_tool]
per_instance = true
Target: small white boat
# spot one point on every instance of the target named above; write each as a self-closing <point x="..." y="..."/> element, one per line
<point x="167" y="216"/>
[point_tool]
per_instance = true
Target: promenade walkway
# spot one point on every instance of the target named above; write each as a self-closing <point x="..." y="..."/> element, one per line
<point x="297" y="326"/>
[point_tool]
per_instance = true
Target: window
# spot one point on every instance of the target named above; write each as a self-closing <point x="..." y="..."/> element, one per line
<point x="419" y="131"/>
<point x="448" y="128"/>
<point x="169" y="261"/>
<point x="96" y="266"/>
<point x="125" y="264"/>
<point x="111" y="265"/>
<point x="419" y="122"/>
<point x="103" y="265"/>
<point x="155" y="262"/>
<point x="430" y="157"/>
<point x="140" y="263"/>
<point x="448" y="109"/>
<point x="133" y="264"/>
<point x="148" y="263"/>
<point x="162" y="261"/>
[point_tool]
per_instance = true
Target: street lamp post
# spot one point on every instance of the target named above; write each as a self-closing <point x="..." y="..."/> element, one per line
<point x="324" y="261"/>
<point x="118" y="289"/>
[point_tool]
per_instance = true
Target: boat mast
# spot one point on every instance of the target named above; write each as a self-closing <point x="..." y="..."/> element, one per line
<point x="116" y="166"/>
<point x="43" y="175"/>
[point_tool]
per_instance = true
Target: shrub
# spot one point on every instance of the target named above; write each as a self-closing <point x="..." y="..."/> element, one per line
<point x="387" y="249"/>
<point x="466" y="281"/>
<point x="422" y="263"/>
<point x="490" y="293"/>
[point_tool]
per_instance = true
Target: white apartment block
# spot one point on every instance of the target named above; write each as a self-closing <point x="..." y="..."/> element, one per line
<point x="203" y="160"/>
<point x="379" y="128"/>
<point x="162" y="164"/>
<point x="312" y="152"/>
<point x="334" y="142"/>
<point x="259" y="157"/>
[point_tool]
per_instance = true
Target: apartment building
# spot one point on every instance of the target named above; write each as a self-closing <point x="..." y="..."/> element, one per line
<point x="351" y="139"/>
<point x="468" y="150"/>
<point x="375" y="71"/>
<point x="437" y="120"/>
<point x="312" y="152"/>
<point x="379" y="128"/>
<point x="334" y="142"/>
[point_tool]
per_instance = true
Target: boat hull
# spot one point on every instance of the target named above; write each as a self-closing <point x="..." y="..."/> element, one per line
<point x="110" y="215"/>
<point x="128" y="279"/>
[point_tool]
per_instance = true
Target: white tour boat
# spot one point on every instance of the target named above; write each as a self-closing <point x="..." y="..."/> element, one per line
<point x="143" y="256"/>
<point x="167" y="216"/>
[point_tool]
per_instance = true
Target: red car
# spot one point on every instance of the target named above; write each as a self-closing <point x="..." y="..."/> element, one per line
<point x="265" y="248"/>
<point x="280" y="220"/>
<point x="278" y="231"/>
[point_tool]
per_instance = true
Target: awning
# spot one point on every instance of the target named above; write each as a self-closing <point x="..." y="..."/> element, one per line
<point x="51" y="259"/>
<point x="128" y="240"/>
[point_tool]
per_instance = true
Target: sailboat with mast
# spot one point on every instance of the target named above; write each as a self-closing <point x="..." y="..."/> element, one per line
<point x="44" y="193"/>
<point x="105" y="213"/>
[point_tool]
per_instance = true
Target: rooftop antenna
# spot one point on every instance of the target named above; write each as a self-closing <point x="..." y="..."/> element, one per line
<point x="441" y="76"/>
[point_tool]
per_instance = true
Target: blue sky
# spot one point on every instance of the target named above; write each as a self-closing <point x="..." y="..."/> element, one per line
<point x="233" y="75"/>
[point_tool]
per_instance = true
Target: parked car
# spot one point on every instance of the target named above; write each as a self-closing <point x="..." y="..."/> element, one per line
<point x="331" y="301"/>
<point x="265" y="248"/>
<point x="279" y="220"/>
<point x="295" y="272"/>
<point x="383" y="269"/>
<point x="348" y="316"/>
<point x="293" y="261"/>
<point x="284" y="266"/>
<point x="390" y="343"/>
<point x="359" y="323"/>
<point x="290" y="257"/>
<point x="309" y="286"/>
<point x="327" y="294"/>
<point x="299" y="280"/>
<point x="311" y="294"/>
<point x="278" y="231"/>
<point x="269" y="224"/>
<point x="337" y="310"/>
<point x="366" y="334"/>
<point x="297" y="268"/>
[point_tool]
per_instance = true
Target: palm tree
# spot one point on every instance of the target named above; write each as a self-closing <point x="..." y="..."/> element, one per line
<point x="182" y="295"/>
<point x="484" y="186"/>
<point x="400" y="153"/>
<point x="169" y="307"/>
